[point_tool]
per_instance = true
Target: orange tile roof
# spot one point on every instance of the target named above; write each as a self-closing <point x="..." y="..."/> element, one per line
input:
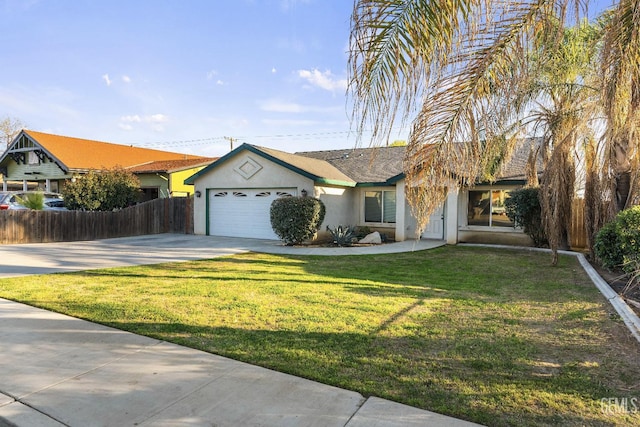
<point x="171" y="165"/>
<point x="84" y="154"/>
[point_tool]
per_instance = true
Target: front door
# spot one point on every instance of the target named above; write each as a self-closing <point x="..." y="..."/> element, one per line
<point x="435" y="228"/>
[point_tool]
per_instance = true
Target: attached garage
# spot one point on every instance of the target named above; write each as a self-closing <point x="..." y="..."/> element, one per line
<point x="243" y="212"/>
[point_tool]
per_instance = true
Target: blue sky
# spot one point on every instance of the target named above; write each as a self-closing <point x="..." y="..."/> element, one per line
<point x="181" y="75"/>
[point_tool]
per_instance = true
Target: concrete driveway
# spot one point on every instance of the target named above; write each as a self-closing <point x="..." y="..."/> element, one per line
<point x="44" y="258"/>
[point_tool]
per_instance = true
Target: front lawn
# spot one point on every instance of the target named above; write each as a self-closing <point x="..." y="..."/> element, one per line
<point x="493" y="336"/>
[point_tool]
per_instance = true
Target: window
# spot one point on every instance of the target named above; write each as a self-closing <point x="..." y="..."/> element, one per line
<point x="380" y="206"/>
<point x="486" y="208"/>
<point x="33" y="158"/>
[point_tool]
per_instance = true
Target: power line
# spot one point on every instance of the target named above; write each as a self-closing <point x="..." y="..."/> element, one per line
<point x="200" y="141"/>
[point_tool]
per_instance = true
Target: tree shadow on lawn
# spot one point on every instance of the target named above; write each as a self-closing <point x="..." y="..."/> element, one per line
<point x="478" y="375"/>
<point x="443" y="375"/>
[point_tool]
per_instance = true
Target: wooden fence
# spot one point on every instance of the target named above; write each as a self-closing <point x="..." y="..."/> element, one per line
<point x="174" y="215"/>
<point x="578" y="233"/>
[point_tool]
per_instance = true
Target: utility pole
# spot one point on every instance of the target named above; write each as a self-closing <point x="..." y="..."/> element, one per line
<point x="231" y="140"/>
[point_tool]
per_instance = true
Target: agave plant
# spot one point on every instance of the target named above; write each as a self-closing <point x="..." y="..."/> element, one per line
<point x="343" y="235"/>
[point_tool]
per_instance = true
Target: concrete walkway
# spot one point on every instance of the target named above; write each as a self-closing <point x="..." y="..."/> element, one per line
<point x="56" y="370"/>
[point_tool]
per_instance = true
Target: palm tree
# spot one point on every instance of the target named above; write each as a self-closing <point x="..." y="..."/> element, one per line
<point x="458" y="68"/>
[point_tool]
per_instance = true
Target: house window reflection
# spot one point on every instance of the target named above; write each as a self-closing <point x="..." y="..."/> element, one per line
<point x="380" y="206"/>
<point x="487" y="208"/>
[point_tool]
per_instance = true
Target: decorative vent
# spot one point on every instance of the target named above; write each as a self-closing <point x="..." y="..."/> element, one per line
<point x="284" y="194"/>
<point x="239" y="194"/>
<point x="264" y="194"/>
<point x="220" y="194"/>
<point x="248" y="168"/>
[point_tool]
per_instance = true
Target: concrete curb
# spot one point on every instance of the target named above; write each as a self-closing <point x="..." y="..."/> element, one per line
<point x="631" y="320"/>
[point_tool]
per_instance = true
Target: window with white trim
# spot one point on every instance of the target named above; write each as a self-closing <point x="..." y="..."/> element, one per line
<point x="380" y="206"/>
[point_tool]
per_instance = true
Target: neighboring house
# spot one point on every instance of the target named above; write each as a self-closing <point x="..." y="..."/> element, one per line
<point x="165" y="178"/>
<point x="362" y="186"/>
<point x="46" y="161"/>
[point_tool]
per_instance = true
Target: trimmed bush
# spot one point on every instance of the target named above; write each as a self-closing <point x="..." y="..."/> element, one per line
<point x="523" y="208"/>
<point x="617" y="244"/>
<point x="296" y="219"/>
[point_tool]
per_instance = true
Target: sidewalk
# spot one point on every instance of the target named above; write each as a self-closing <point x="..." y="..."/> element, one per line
<point x="58" y="371"/>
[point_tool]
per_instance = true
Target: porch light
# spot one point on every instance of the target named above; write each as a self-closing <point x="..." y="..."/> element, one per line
<point x="303" y="193"/>
<point x="198" y="194"/>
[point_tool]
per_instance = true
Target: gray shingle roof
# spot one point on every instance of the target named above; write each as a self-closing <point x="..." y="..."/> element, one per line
<point x="360" y="166"/>
<point x="363" y="165"/>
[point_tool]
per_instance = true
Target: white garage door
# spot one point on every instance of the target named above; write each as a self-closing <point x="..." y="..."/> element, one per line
<point x="243" y="212"/>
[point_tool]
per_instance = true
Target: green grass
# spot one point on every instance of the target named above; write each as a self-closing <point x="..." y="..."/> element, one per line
<point x="492" y="336"/>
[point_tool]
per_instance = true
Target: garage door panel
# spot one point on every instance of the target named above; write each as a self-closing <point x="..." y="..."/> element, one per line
<point x="243" y="212"/>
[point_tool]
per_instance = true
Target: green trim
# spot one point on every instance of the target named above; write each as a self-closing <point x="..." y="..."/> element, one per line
<point x="206" y="209"/>
<point x="375" y="184"/>
<point x="336" y="182"/>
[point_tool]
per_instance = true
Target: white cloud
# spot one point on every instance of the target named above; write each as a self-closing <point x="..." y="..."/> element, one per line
<point x="131" y="119"/>
<point x="326" y="80"/>
<point x="279" y="106"/>
<point x="126" y="79"/>
<point x="287" y="5"/>
<point x="157" y="118"/>
<point x="220" y="83"/>
<point x="106" y="79"/>
<point x="282" y="123"/>
<point x="273" y="70"/>
<point x="155" y="121"/>
<point x="211" y="74"/>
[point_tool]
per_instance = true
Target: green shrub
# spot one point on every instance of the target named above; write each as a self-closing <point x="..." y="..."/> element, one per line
<point x="296" y="219"/>
<point x="617" y="244"/>
<point x="102" y="190"/>
<point x="523" y="208"/>
<point x="343" y="235"/>
<point x="607" y="246"/>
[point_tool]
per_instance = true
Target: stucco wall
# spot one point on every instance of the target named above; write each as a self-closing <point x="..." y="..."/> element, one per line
<point x="177" y="185"/>
<point x="229" y="175"/>
<point x="152" y="180"/>
<point x="340" y="205"/>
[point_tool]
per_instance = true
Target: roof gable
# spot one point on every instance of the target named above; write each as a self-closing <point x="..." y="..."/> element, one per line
<point x="318" y="170"/>
<point x="85" y="154"/>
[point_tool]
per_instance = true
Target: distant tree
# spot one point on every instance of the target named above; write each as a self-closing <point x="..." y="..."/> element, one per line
<point x="10" y="127"/>
<point x="398" y="143"/>
<point x="102" y="191"/>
